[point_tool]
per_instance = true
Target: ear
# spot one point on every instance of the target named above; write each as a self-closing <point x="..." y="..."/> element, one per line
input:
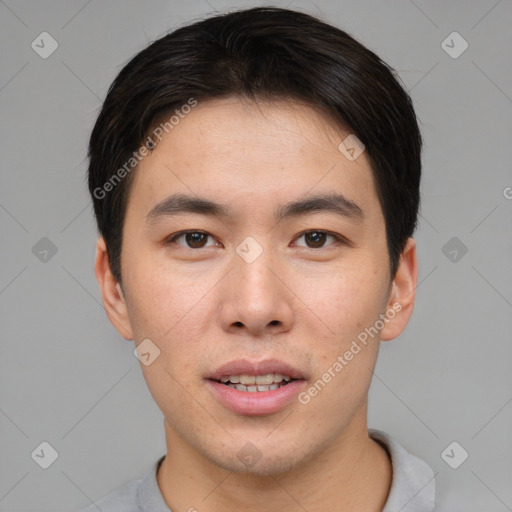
<point x="403" y="293"/>
<point x="113" y="298"/>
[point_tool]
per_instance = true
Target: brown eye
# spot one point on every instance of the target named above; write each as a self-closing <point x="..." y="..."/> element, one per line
<point x="196" y="240"/>
<point x="316" y="239"/>
<point x="193" y="239"/>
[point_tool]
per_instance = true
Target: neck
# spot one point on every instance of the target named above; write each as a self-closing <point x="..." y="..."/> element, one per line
<point x="352" y="473"/>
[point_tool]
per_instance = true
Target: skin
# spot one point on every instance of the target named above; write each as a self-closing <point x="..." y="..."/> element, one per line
<point x="300" y="302"/>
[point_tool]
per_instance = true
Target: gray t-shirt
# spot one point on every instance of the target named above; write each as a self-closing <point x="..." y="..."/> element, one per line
<point x="412" y="486"/>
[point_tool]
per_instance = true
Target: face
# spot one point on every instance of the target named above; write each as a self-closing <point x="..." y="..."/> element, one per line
<point x="269" y="281"/>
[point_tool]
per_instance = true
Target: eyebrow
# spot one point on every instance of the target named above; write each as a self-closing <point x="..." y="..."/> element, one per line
<point x="331" y="203"/>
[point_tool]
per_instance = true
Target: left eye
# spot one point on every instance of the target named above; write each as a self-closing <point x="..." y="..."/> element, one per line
<point x="316" y="239"/>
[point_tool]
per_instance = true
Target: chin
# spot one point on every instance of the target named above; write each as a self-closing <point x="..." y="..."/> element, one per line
<point x="266" y="466"/>
<point x="271" y="460"/>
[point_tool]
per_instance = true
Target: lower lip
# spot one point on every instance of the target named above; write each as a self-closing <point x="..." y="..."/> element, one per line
<point x="259" y="402"/>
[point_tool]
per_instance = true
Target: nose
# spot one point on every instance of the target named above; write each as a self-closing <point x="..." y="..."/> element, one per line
<point x="255" y="298"/>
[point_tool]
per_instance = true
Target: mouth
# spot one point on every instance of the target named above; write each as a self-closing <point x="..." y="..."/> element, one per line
<point x="259" y="388"/>
<point x="256" y="383"/>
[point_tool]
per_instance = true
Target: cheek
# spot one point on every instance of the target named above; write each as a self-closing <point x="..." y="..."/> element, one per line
<point x="350" y="303"/>
<point x="168" y="313"/>
<point x="173" y="310"/>
<point x="159" y="298"/>
<point x="346" y="301"/>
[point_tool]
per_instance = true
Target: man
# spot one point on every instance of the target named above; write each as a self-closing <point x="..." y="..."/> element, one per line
<point x="255" y="178"/>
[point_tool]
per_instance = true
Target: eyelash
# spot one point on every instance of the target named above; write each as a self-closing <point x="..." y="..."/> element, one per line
<point x="338" y="238"/>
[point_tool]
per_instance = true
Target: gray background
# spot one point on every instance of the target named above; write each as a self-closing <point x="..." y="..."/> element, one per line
<point x="68" y="378"/>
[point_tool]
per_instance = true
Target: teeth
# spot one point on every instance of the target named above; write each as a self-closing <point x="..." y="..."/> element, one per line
<point x="254" y="389"/>
<point x="258" y="380"/>
<point x="265" y="379"/>
<point x="246" y="379"/>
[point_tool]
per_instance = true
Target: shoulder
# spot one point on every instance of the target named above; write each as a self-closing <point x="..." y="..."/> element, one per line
<point x="413" y="484"/>
<point x="139" y="495"/>
<point x="122" y="499"/>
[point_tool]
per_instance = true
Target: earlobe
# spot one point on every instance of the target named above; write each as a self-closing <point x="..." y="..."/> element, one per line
<point x="403" y="293"/>
<point x="111" y="292"/>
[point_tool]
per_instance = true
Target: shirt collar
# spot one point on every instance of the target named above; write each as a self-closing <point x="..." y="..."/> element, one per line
<point x="413" y="482"/>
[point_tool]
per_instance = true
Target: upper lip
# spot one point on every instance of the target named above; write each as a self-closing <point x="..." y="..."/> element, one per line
<point x="246" y="367"/>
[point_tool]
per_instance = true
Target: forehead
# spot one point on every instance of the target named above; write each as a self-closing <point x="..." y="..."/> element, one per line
<point x="235" y="125"/>
<point x="235" y="150"/>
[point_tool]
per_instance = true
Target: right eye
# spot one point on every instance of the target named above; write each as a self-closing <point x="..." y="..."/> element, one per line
<point x="193" y="239"/>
